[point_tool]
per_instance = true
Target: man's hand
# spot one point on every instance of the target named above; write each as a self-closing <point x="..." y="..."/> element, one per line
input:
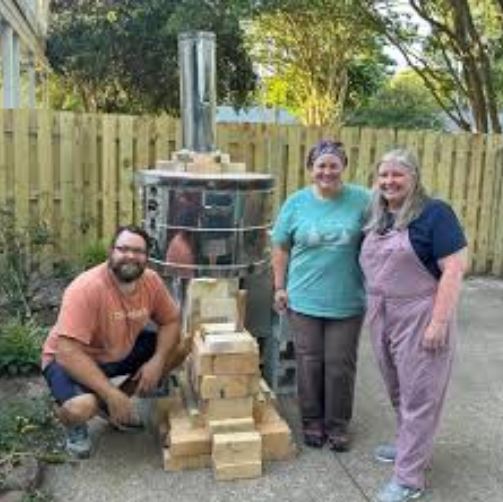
<point x="148" y="376"/>
<point x="435" y="336"/>
<point x="120" y="407"/>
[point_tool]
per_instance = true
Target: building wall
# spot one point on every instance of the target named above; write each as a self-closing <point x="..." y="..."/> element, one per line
<point x="23" y="31"/>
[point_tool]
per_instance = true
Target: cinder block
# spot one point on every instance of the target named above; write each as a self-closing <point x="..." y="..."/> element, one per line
<point x="173" y="464"/>
<point x="245" y="470"/>
<point x="227" y="386"/>
<point x="231" y="425"/>
<point x="221" y="409"/>
<point x="236" y="448"/>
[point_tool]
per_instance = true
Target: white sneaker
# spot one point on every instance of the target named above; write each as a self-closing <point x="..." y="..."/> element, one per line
<point x="385" y="453"/>
<point x="394" y="492"/>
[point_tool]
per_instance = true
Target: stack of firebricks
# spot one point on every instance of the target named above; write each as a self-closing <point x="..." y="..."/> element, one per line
<point x="222" y="414"/>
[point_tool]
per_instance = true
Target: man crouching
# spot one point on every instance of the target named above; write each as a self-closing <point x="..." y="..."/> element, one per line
<point x="101" y="333"/>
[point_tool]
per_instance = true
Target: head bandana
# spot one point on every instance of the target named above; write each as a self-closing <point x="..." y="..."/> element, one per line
<point x="324" y="147"/>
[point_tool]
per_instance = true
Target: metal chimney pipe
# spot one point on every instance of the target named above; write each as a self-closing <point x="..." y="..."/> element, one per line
<point x="196" y="56"/>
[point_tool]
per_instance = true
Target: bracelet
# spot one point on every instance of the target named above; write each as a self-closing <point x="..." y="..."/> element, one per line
<point x="278" y="289"/>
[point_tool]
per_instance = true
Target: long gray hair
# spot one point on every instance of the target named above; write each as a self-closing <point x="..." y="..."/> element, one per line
<point x="413" y="203"/>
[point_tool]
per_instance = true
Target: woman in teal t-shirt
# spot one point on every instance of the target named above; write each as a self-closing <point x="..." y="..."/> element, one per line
<point x="318" y="282"/>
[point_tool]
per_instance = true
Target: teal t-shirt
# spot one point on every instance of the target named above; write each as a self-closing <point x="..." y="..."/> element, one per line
<point x="324" y="236"/>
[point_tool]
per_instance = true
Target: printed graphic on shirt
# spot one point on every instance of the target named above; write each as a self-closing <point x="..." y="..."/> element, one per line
<point x="328" y="234"/>
<point x="134" y="315"/>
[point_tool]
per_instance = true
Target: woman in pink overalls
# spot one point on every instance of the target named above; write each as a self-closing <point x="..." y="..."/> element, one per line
<point x="413" y="259"/>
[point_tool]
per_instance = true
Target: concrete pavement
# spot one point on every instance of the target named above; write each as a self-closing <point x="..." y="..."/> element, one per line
<point x="467" y="464"/>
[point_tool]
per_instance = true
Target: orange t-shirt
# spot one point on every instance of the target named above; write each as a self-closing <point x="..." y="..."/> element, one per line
<point x="95" y="312"/>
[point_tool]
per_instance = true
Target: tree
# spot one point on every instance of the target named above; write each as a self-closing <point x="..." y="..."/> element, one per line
<point x="455" y="58"/>
<point x="403" y="103"/>
<point x="121" y="55"/>
<point x="306" y="49"/>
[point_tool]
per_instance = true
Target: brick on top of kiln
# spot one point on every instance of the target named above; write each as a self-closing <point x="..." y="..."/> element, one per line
<point x="209" y="328"/>
<point x="218" y="310"/>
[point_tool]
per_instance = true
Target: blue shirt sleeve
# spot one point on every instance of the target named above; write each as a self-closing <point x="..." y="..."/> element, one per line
<point x="435" y="234"/>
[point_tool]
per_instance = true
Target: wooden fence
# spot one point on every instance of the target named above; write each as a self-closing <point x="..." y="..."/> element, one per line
<point x="73" y="173"/>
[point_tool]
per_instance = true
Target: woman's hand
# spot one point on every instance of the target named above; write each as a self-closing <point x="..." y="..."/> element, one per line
<point x="435" y="336"/>
<point x="280" y="300"/>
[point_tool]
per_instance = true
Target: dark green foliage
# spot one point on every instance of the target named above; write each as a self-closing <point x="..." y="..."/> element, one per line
<point x="20" y="347"/>
<point x="403" y="104"/>
<point x="121" y="56"/>
<point x="93" y="254"/>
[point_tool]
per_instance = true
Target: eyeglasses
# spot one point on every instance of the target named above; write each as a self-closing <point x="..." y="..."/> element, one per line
<point x="132" y="250"/>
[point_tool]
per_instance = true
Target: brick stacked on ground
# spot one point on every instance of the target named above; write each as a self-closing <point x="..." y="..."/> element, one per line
<point x="223" y="414"/>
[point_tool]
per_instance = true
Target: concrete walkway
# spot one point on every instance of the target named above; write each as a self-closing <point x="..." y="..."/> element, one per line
<point x="467" y="465"/>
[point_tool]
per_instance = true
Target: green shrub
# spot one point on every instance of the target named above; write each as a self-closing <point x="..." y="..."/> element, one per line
<point x="93" y="254"/>
<point x="20" y="347"/>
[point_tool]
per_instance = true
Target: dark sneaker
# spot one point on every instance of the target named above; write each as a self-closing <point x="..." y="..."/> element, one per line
<point x="385" y="453"/>
<point x="339" y="441"/>
<point x="394" y="492"/>
<point x="314" y="440"/>
<point x="78" y="444"/>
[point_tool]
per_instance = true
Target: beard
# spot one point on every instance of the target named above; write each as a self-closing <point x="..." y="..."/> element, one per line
<point x="126" y="271"/>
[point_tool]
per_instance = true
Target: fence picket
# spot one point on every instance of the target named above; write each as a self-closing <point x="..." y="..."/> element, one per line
<point x="3" y="164"/>
<point x="109" y="175"/>
<point x="295" y="161"/>
<point x="66" y="176"/>
<point x="20" y="126"/>
<point x="484" y="252"/>
<point x="126" y="181"/>
<point x="91" y="177"/>
<point x="473" y="194"/>
<point x="45" y="182"/>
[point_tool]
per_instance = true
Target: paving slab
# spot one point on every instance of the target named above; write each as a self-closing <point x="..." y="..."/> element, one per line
<point x="467" y="464"/>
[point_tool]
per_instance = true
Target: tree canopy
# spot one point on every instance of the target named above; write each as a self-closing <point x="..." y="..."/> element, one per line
<point x="121" y="55"/>
<point x="316" y="56"/>
<point x="458" y="57"/>
<point x="319" y="58"/>
<point x="404" y="103"/>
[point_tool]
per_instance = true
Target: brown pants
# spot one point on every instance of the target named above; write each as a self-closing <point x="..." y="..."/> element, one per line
<point x="326" y="352"/>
